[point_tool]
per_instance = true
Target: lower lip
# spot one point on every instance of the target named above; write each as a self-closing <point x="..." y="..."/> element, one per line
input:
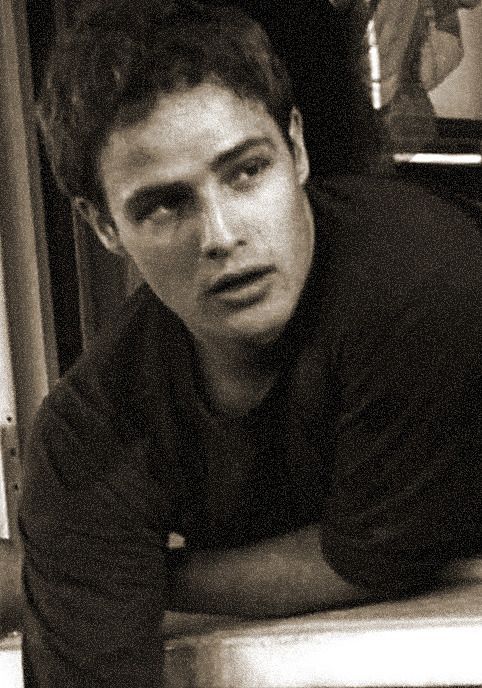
<point x="246" y="294"/>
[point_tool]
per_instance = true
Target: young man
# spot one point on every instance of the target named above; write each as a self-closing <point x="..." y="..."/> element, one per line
<point x="296" y="387"/>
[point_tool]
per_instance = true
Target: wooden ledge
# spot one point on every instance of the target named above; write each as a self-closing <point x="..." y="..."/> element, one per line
<point x="431" y="640"/>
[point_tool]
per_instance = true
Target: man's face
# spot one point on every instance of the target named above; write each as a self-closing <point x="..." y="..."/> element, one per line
<point x="208" y="201"/>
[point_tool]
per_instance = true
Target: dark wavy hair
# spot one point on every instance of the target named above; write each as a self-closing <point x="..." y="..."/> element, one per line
<point x="108" y="68"/>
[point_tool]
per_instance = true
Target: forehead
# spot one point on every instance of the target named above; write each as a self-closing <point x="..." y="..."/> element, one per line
<point x="182" y="135"/>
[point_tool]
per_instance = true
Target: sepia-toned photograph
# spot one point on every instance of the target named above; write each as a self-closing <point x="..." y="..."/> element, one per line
<point x="240" y="344"/>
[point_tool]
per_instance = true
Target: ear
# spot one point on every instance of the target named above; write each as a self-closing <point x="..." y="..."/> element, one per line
<point x="104" y="227"/>
<point x="300" y="154"/>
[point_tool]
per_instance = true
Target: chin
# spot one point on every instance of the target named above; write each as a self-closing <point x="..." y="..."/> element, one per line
<point x="259" y="330"/>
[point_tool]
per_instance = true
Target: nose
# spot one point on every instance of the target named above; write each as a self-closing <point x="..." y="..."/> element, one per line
<point x="219" y="234"/>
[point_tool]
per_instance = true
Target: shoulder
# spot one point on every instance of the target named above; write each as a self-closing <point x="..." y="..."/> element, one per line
<point x="96" y="412"/>
<point x="386" y="236"/>
<point x="390" y="209"/>
<point x="110" y="368"/>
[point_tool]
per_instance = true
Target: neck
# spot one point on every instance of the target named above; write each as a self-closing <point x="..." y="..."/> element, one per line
<point x="237" y="378"/>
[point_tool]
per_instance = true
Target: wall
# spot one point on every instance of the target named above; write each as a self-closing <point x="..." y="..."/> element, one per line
<point x="28" y="355"/>
<point x="460" y="95"/>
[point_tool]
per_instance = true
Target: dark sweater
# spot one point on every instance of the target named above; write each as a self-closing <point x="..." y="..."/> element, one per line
<point x="373" y="431"/>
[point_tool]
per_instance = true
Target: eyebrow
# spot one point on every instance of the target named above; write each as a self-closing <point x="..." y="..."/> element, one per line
<point x="143" y="196"/>
<point x="225" y="158"/>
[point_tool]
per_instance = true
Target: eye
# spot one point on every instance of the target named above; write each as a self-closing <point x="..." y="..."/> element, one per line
<point x="248" y="172"/>
<point x="159" y="215"/>
<point x="163" y="208"/>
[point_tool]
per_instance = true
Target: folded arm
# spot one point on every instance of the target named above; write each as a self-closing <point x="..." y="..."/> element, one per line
<point x="281" y="576"/>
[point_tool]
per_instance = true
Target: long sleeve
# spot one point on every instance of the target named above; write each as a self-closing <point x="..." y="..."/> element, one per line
<point x="406" y="490"/>
<point x="94" y="574"/>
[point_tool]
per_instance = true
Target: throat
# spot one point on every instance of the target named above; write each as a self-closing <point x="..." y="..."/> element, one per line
<point x="234" y="386"/>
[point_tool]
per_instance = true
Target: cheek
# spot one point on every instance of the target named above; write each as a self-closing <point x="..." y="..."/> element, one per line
<point x="284" y="215"/>
<point x="167" y="267"/>
<point x="270" y="212"/>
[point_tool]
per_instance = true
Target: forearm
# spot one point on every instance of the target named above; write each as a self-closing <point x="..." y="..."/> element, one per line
<point x="277" y="577"/>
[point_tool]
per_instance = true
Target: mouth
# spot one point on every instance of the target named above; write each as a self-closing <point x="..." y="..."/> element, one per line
<point x="238" y="281"/>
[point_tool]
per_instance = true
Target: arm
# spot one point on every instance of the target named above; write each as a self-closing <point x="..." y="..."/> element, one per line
<point x="93" y="568"/>
<point x="281" y="576"/>
<point x="405" y="499"/>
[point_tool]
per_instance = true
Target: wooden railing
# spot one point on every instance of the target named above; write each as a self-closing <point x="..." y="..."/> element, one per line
<point x="432" y="640"/>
